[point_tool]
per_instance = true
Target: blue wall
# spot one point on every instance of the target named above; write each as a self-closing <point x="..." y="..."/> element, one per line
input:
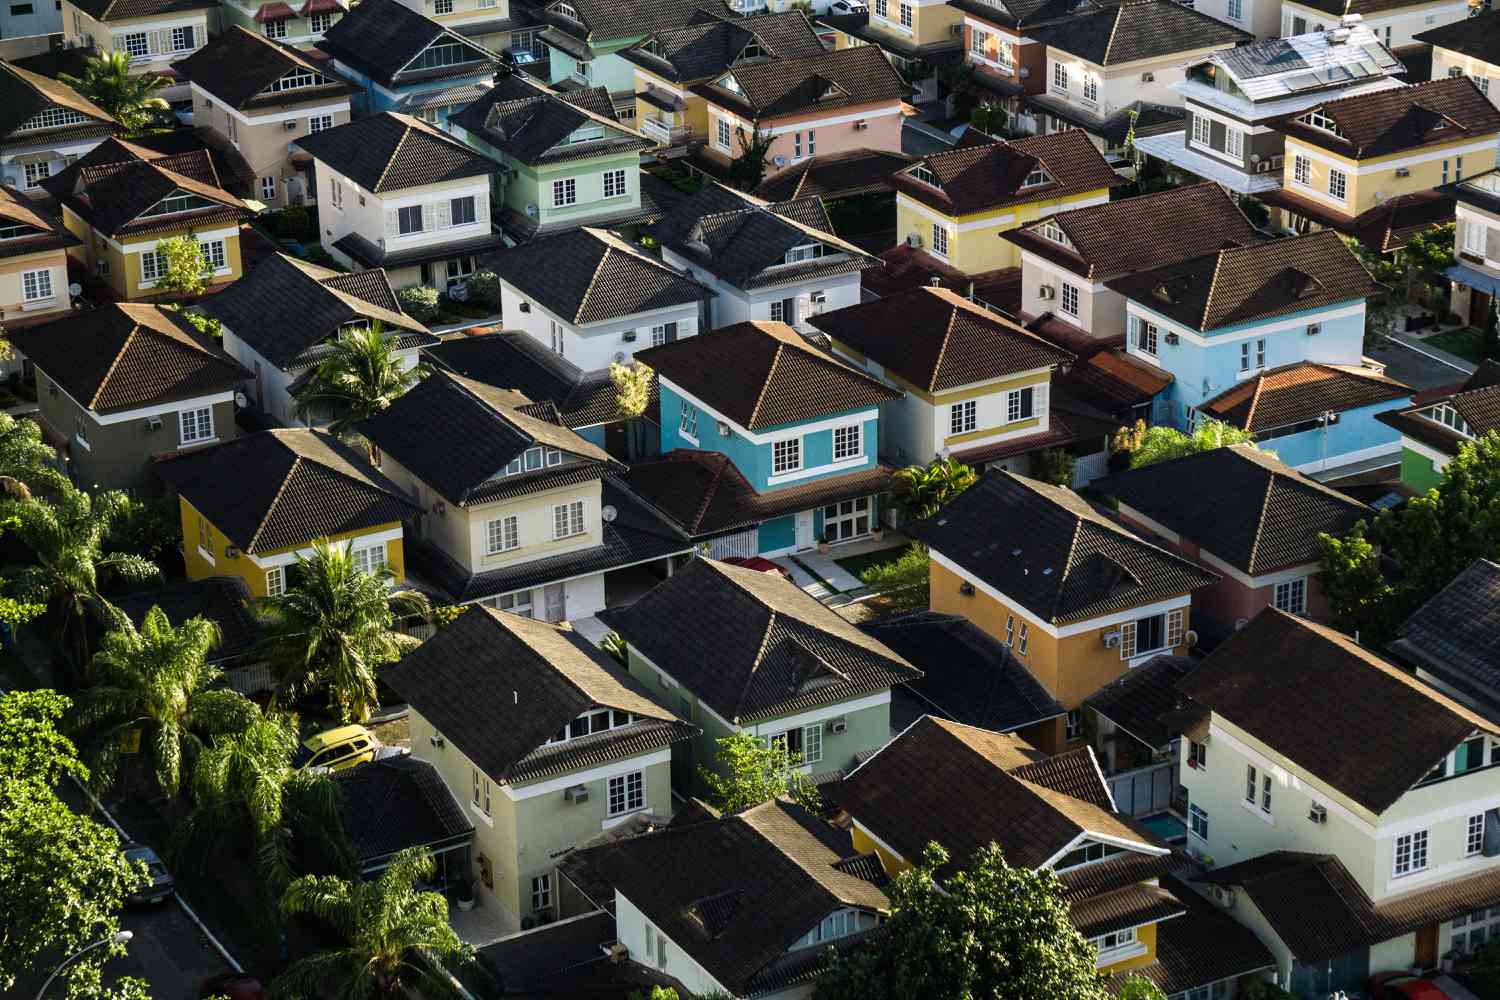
<point x="1355" y="431"/>
<point x="778" y="534"/>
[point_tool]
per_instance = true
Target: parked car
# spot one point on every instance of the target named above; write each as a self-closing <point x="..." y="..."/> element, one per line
<point x="847" y="7"/>
<point x="234" y="985"/>
<point x="159" y="883"/>
<point x="337" y="749"/>
<point x="757" y="563"/>
<point x="1405" y="986"/>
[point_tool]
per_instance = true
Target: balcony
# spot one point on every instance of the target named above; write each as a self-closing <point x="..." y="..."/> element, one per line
<point x="667" y="135"/>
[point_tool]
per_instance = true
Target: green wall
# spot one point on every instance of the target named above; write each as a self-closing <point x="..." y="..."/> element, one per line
<point x="1418" y="472"/>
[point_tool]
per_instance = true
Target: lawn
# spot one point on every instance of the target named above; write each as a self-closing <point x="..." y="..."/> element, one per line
<point x="858" y="564"/>
<point x="1465" y="341"/>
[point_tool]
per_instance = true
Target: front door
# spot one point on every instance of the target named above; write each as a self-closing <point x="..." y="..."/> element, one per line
<point x="805" y="538"/>
<point x="1427" y="944"/>
<point x="555" y="602"/>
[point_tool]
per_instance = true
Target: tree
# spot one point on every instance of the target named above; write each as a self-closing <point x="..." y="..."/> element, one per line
<point x="1140" y="988"/>
<point x="396" y="940"/>
<point x="922" y="489"/>
<point x="156" y="681"/>
<point x="1150" y="445"/>
<point x="362" y="377"/>
<point x="993" y="932"/>
<point x="32" y="748"/>
<point x="130" y="100"/>
<point x="333" y="626"/>
<point x="1057" y="466"/>
<point x="748" y="169"/>
<point x="757" y="771"/>
<point x="632" y="396"/>
<point x="905" y="582"/>
<point x="1357" y="592"/>
<point x="27" y="459"/>
<point x="185" y="266"/>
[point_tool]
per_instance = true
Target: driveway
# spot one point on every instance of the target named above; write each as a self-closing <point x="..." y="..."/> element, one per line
<point x="168" y="951"/>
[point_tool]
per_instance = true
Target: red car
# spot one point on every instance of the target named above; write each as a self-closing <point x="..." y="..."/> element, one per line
<point x="1404" y="986"/>
<point x="234" y="985"/>
<point x="756" y="563"/>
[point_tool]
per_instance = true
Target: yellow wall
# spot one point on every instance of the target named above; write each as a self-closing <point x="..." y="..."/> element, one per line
<point x="695" y="109"/>
<point x="980" y="248"/>
<point x="1380" y="172"/>
<point x="892" y="863"/>
<point x="124" y="269"/>
<point x="1145" y="935"/>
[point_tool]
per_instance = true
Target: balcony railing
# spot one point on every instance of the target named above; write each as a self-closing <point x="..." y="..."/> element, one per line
<point x="664" y="133"/>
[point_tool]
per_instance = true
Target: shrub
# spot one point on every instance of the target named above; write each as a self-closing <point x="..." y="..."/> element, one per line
<point x="205" y="324"/>
<point x="484" y="289"/>
<point x="419" y="302"/>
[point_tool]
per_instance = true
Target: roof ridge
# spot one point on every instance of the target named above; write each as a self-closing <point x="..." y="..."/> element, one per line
<point x="103" y="382"/>
<point x="937" y="365"/>
<point x="765" y="386"/>
<point x="1113" y="28"/>
<point x="271" y="507"/>
<point x="708" y="495"/>
<point x="1208" y="300"/>
<point x="760" y="654"/>
<point x="1260" y="522"/>
<point x="593" y="280"/>
<point x="405" y="134"/>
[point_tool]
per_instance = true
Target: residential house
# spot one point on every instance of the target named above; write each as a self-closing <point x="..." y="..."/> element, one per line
<point x="225" y="601"/>
<point x="1367" y="165"/>
<point x="497" y="25"/>
<point x="154" y="33"/>
<point x="1277" y="350"/>
<point x="778" y="262"/>
<point x="407" y="62"/>
<point x="1453" y="641"/>
<point x="280" y="318"/>
<point x="755" y="901"/>
<point x="1110" y="69"/>
<point x="126" y="196"/>
<point x="547" y="742"/>
<point x="565" y="160"/>
<point x="29" y="20"/>
<point x="305" y="486"/>
<point x="302" y="25"/>
<point x="1399" y="25"/>
<point x="833" y="102"/>
<point x="1476" y="273"/>
<point x="1067" y="258"/>
<point x="594" y="298"/>
<point x="516" y="511"/>
<point x="916" y="38"/>
<point x="1468" y="47"/>
<point x="1232" y="99"/>
<point x="800" y="428"/>
<point x="259" y="97"/>
<point x="997" y="46"/>
<point x="397" y="194"/>
<point x="956" y="203"/>
<point x="671" y="62"/>
<point x="1245" y="515"/>
<point x="835" y="176"/>
<point x="1135" y="724"/>
<point x="777" y="665"/>
<point x="123" y="382"/>
<point x="45" y="125"/>
<point x="1079" y="598"/>
<point x="34" y="272"/>
<point x="1053" y="814"/>
<point x="1439" y="423"/>
<point x="1395" y="855"/>
<point x="400" y="803"/>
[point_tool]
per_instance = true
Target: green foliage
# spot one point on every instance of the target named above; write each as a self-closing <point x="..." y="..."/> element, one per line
<point x="1412" y="276"/>
<point x="445" y="614"/>
<point x="991" y="119"/>
<point x="186" y="266"/>
<point x="1150" y="445"/>
<point x="419" y="302"/>
<point x="205" y="324"/>
<point x="484" y="289"/>
<point x="28" y="465"/>
<point x="1264" y="989"/>
<point x="31" y="746"/>
<point x="904" y="581"/>
<point x="748" y="169"/>
<point x="657" y="993"/>
<point x="921" y="490"/>
<point x="1356" y="589"/>
<point x="1057" y="467"/>
<point x="131" y="99"/>
<point x="359" y="379"/>
<point x="992" y="932"/>
<point x="145" y="527"/>
<point x="294" y="222"/>
<point x="632" y="388"/>
<point x="757" y="771"/>
<point x="614" y="645"/>
<point x="1140" y="988"/>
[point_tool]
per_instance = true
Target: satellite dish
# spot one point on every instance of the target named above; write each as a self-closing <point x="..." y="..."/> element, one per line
<point x="609" y="513"/>
<point x="241" y="400"/>
<point x="75" y="289"/>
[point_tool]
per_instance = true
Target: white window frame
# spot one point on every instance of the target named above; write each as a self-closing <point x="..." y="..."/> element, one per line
<point x="687" y="420"/>
<point x="1291" y="596"/>
<point x="1060" y="77"/>
<point x="1234" y="143"/>
<point x="1067" y="299"/>
<point x="1015" y="406"/>
<point x="275" y="581"/>
<point x="196" y="425"/>
<point x="723" y="135"/>
<point x="614" y="185"/>
<point x="541" y="892"/>
<point x="129" y="44"/>
<point x="1302" y="170"/>
<point x="317" y="123"/>
<point x="273" y="29"/>
<point x="564" y="192"/>
<point x="320" y="22"/>
<point x="963" y="417"/>
<point x="843" y="447"/>
<point x="1410" y="855"/>
<point x="1144" y="336"/>
<point x="481" y="790"/>
<point x="1474" y="836"/>
<point x="1198" y="821"/>
<point x="37" y="172"/>
<point x="786" y="456"/>
<point x="502" y="534"/>
<point x="1338" y="184"/>
<point x="1476" y="236"/>
<point x="268" y="187"/>
<point x="184" y="38"/>
<point x="368" y="558"/>
<point x="940" y="239"/>
<point x="629" y="790"/>
<point x="1091" y="88"/>
<point x="567" y="520"/>
<point x="36" y="286"/>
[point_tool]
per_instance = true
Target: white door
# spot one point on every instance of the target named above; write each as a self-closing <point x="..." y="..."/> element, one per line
<point x="805" y="538"/>
<point x="556" y="605"/>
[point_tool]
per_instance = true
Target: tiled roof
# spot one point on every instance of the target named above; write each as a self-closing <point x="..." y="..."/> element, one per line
<point x="1478" y="37"/>
<point x="1016" y="13"/>
<point x="774" y="652"/>
<point x="1303" y="391"/>
<point x="223" y="600"/>
<point x="1384" y="122"/>
<point x="1254" y="282"/>
<point x="563" y="958"/>
<point x="1120" y="237"/>
<point x="1137" y="29"/>
<point x="24" y="94"/>
<point x="1308" y="692"/>
<point x="906" y="267"/>
<point x="1068" y="422"/>
<point x="390" y="152"/>
<point x="1477" y="401"/>
<point x="824" y="82"/>
<point x="1456" y="635"/>
<point x="1206" y="946"/>
<point x="608" y="20"/>
<point x="119" y="10"/>
<point x="379" y="38"/>
<point x="121" y="356"/>
<point x="990" y="175"/>
<point x="764" y="374"/>
<point x="527" y="120"/>
<point x="1113" y="381"/>
<point x="238" y="67"/>
<point x="1115" y="872"/>
<point x="1365" y="8"/>
<point x="1145" y="702"/>
<point x="1127" y="906"/>
<point x="1239" y="503"/>
<point x="302" y="485"/>
<point x="835" y="175"/>
<point x="44" y="233"/>
<point x="693" y="53"/>
<point x="393" y="804"/>
<point x="1045" y="547"/>
<point x="937" y="340"/>
<point x="1382" y="228"/>
<point x="366" y="254"/>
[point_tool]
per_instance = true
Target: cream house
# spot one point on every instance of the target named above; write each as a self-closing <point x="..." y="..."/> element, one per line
<point x="154" y="33"/>
<point x="33" y="264"/>
<point x="1397" y="24"/>
<point x="1470" y="47"/>
<point x="46" y="126"/>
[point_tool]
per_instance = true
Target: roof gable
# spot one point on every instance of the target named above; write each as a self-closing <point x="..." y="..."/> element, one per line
<point x="383" y="39"/>
<point x="390" y="152"/>
<point x="1385" y="122"/>
<point x="244" y="69"/>
<point x="845" y="77"/>
<point x="994" y="173"/>
<point x="25" y="95"/>
<point x="1291" y="394"/>
<point x="533" y="123"/>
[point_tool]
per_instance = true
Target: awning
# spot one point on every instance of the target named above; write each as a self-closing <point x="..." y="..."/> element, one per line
<point x="1474" y="278"/>
<point x="453" y="97"/>
<point x="323" y="7"/>
<point x="1169" y="146"/>
<point x="274" y="12"/>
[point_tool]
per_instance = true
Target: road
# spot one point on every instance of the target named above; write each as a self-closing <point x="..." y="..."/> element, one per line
<point x="168" y="951"/>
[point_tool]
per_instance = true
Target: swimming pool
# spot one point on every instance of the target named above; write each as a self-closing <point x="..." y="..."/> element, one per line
<point x="1166" y="826"/>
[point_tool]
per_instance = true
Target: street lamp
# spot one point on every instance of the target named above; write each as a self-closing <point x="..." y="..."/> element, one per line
<point x="120" y="937"/>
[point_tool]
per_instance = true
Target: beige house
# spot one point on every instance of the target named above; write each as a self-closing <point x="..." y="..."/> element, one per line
<point x="1470" y="48"/>
<point x="915" y="35"/>
<point x="33" y="264"/>
<point x="154" y="33"/>
<point x="1397" y="23"/>
<point x="45" y="126"/>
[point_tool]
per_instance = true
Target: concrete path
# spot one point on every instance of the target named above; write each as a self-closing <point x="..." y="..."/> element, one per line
<point x="591" y="629"/>
<point x="802" y="578"/>
<point x="837" y="576"/>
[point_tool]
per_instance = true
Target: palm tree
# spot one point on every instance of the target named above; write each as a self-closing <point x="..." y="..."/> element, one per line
<point x="157" y="680"/>
<point x="397" y="941"/>
<point x="360" y="378"/>
<point x="922" y="489"/>
<point x="106" y="81"/>
<point x="26" y="459"/>
<point x="333" y="626"/>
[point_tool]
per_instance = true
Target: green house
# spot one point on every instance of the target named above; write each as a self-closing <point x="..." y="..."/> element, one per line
<point x="1433" y="430"/>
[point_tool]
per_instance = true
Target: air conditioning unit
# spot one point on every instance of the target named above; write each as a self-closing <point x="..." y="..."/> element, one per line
<point x="153" y="423"/>
<point x="577" y="793"/>
<point x="1222" y="895"/>
<point x="1111" y="639"/>
<point x="290" y="126"/>
<point x="955" y="29"/>
<point x="1190" y="638"/>
<point x="1403" y="171"/>
<point x="1263" y="166"/>
<point x="966" y="589"/>
<point x="230" y="552"/>
<point x="1148" y="77"/>
<point x="1276" y="162"/>
<point x="722" y="427"/>
<point x="1173" y="339"/>
<point x="436" y="739"/>
<point x="1047" y="292"/>
<point x="1313" y="329"/>
<point x="1318" y="813"/>
<point x="838" y="726"/>
<point x="914" y="240"/>
<point x="779" y="161"/>
<point x="860" y="125"/>
<point x="628" y="336"/>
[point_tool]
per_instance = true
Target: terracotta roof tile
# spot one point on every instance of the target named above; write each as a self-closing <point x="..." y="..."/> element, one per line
<point x="989" y="175"/>
<point x="822" y="82"/>
<point x="1138" y="29"/>
<point x="1385" y="122"/>
<point x="1279" y="397"/>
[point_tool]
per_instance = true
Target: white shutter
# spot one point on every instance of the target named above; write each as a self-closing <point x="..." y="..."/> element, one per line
<point x="160" y="41"/>
<point x="443" y="214"/>
<point x="482" y="208"/>
<point x="1127" y="640"/>
<point x="429" y="217"/>
<point x="1039" y="401"/>
<point x="392" y="222"/>
<point x="1174" y="628"/>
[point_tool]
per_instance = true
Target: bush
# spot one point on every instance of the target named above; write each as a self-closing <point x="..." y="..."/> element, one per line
<point x="484" y="289"/>
<point x="205" y="324"/>
<point x="419" y="302"/>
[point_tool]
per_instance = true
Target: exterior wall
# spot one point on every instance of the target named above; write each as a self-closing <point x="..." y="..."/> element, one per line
<point x="13" y="305"/>
<point x="595" y="345"/>
<point x="120" y="264"/>
<point x="1393" y="27"/>
<point x="932" y="21"/>
<point x="608" y="70"/>
<point x="1262" y="18"/>
<point x="1420" y="468"/>
<point x="1101" y="310"/>
<point x="630" y="926"/>
<point x="835" y="133"/>
<point x="271" y="390"/>
<point x="56" y="152"/>
<point x="79" y="27"/>
<point x="377" y="97"/>
<point x="1000" y="55"/>
<point x="1357" y="436"/>
<point x="1119" y="86"/>
<point x="263" y="137"/>
<point x="973" y="240"/>
<point x="41" y="19"/>
<point x="1369" y="182"/>
<point x="299" y="30"/>
<point x="693" y="116"/>
<point x="1486" y="75"/>
<point x="732" y="304"/>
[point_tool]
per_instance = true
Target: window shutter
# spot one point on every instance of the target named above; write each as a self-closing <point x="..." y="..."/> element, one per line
<point x="481" y="208"/>
<point x="1127" y="640"/>
<point x="429" y="217"/>
<point x="1039" y="399"/>
<point x="444" y="212"/>
<point x="158" y="42"/>
<point x="1174" y="628"/>
<point x="1492" y="243"/>
<point x="392" y="222"/>
<point x="671" y="332"/>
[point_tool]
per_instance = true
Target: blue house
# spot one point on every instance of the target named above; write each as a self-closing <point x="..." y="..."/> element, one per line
<point x="406" y="62"/>
<point x="768" y="444"/>
<point x="1268" y="337"/>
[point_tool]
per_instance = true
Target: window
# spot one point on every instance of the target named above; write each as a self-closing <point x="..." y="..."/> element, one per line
<point x="1019" y="404"/>
<point x="924" y="175"/>
<point x="583" y="71"/>
<point x="1447" y="416"/>
<point x="627" y="793"/>
<point x="567" y="519"/>
<point x="1091" y="88"/>
<point x="139" y="44"/>
<point x="848" y="442"/>
<point x="409" y="219"/>
<point x="336" y="190"/>
<point x="1150" y="634"/>
<point x="1059" y="76"/>
<point x="36" y="286"/>
<point x="687" y="421"/>
<point x="319" y="23"/>
<point x="541" y="885"/>
<point x="1069" y="299"/>
<point x="1291" y="597"/>
<point x="152" y="265"/>
<point x="503" y="534"/>
<point x="481" y="783"/>
<point x="558" y="340"/>
<point x="213" y="256"/>
<point x="1253" y="354"/>
<point x="1301" y="170"/>
<point x="1252" y="785"/>
<point x="442" y="6"/>
<point x="1411" y="853"/>
<point x="273" y="29"/>
<point x="784" y="311"/>
<point x="1021" y="646"/>
<point x="296" y="80"/>
<point x="1236" y="10"/>
<point x="1113" y="943"/>
<point x="196" y="424"/>
<point x="883" y="9"/>
<point x="906" y="15"/>
<point x="1145" y="338"/>
<point x="369" y="558"/>
<point x="977" y="41"/>
<point x="659" y="334"/>
<point x="614" y="184"/>
<point x="1197" y="755"/>
<point x="268" y="188"/>
<point x="182" y="38"/>
<point x="564" y="192"/>
<point x="940" y="239"/>
<point x="318" y="123"/>
<point x="35" y="172"/>
<point x="438" y="55"/>
<point x="721" y="134"/>
<point x="1202" y="129"/>
<point x="796" y="145"/>
<point x="1073" y="727"/>
<point x="786" y="456"/>
<point x="1234" y="142"/>
<point x="53" y="117"/>
<point x="1010" y="630"/>
<point x="1198" y="821"/>
<point x="963" y="417"/>
<point x="1475" y="234"/>
<point x="518" y="603"/>
<point x="812" y="145"/>
<point x="1474" y="836"/>
<point x="275" y="582"/>
<point x="461" y="211"/>
<point x="1338" y="184"/>
<point x="1087" y="854"/>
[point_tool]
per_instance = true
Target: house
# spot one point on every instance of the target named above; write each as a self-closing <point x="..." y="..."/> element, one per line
<point x="546" y="740"/>
<point x="956" y="203"/>
<point x="307" y="486"/>
<point x="399" y="803"/>
<point x="399" y="195"/>
<point x="564" y="958"/>
<point x="126" y="381"/>
<point x="594" y="298"/>
<point x="916" y="38"/>
<point x="30" y="20"/>
<point x="1467" y="47"/>
<point x="1108" y="67"/>
<point x="259" y="96"/>
<point x="1453" y="641"/>
<point x="671" y="62"/>
<point x="778" y="665"/>
<point x="1437" y="424"/>
<point x="406" y="62"/>
<point x="1476" y="273"/>
<point x="1232" y="98"/>
<point x="302" y="25"/>
<point x="997" y="46"/>
<point x="800" y="428"/>
<point x="1394" y="854"/>
<point x="278" y="320"/>
<point x="154" y="33"/>
<point x="1135" y="724"/>
<point x="517" y="514"/>
<point x="1079" y="598"/>
<point x="565" y="159"/>
<point x="45" y="126"/>
<point x="1362" y="159"/>
<point x="832" y="102"/>
<point x="34" y="284"/>
<point x="126" y="196"/>
<point x="755" y="901"/>
<point x="1044" y="813"/>
<point x="835" y="176"/>
<point x="1248" y="517"/>
<point x="1067" y="258"/>
<point x="776" y="262"/>
<point x="1400" y="26"/>
<point x="498" y="25"/>
<point x="225" y="601"/>
<point x="975" y="387"/>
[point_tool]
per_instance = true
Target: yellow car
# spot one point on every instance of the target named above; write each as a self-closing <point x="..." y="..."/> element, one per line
<point x="337" y="749"/>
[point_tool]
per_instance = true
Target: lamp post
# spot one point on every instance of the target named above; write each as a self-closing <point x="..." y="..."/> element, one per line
<point x="120" y="937"/>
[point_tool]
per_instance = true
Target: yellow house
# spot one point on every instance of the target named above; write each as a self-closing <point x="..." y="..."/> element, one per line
<point x="956" y="203"/>
<point x="33" y="264"/>
<point x="252" y="506"/>
<point x="1367" y="165"/>
<point x="127" y="196"/>
<point x="915" y="36"/>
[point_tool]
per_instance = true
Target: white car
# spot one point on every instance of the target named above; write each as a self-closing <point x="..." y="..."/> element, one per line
<point x="847" y="7"/>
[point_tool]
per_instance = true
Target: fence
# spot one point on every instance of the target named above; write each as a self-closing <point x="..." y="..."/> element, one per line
<point x="1144" y="790"/>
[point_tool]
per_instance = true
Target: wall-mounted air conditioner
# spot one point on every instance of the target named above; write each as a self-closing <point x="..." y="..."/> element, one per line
<point x="1111" y="638"/>
<point x="153" y="423"/>
<point x="914" y="240"/>
<point x="1318" y="813"/>
<point x="1046" y="292"/>
<point x="576" y="793"/>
